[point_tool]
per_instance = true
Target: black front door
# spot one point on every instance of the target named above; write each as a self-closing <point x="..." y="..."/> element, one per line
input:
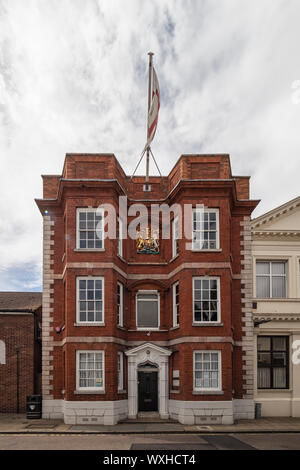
<point x="147" y="387"/>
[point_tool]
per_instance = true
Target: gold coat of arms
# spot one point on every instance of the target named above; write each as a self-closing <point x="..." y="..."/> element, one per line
<point x="146" y="243"/>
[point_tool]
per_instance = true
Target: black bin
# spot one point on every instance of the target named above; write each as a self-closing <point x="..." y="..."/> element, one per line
<point x="257" y="410"/>
<point x="34" y="406"/>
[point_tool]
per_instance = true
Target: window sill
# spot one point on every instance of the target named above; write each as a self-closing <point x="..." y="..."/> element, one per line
<point x="207" y="324"/>
<point x="121" y="258"/>
<point x="175" y="328"/>
<point x="274" y="299"/>
<point x="174" y="257"/>
<point x="89" y="249"/>
<point x="208" y="392"/>
<point x="89" y="392"/>
<point x="89" y="324"/>
<point x="174" y="391"/>
<point x="151" y="330"/>
<point x="214" y="250"/>
<point x="272" y="390"/>
<point x="122" y="391"/>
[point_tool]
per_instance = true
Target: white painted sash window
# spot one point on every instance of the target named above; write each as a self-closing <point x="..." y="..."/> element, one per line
<point x="205" y="229"/>
<point x="90" y="370"/>
<point x="207" y="370"/>
<point x="90" y="233"/>
<point x="90" y="300"/>
<point x="206" y="299"/>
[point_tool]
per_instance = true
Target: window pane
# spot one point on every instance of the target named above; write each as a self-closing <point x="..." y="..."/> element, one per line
<point x="279" y="343"/>
<point x="262" y="267"/>
<point x="263" y="343"/>
<point x="147" y="296"/>
<point x="264" y="378"/>
<point x="279" y="359"/>
<point x="279" y="377"/>
<point x="278" y="268"/>
<point x="262" y="287"/>
<point x="278" y="287"/>
<point x="147" y="311"/>
<point x="264" y="358"/>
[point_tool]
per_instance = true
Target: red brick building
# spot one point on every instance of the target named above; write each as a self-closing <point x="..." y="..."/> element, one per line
<point x="129" y="329"/>
<point x="20" y="349"/>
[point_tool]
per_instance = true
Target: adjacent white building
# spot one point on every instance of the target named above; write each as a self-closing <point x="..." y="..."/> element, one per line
<point x="276" y="309"/>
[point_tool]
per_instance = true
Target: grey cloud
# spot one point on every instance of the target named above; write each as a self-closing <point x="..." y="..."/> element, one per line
<point x="73" y="77"/>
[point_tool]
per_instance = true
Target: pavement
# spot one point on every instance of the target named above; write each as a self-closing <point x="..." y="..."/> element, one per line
<point x="20" y="424"/>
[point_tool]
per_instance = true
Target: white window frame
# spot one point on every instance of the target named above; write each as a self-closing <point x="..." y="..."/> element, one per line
<point x="207" y="210"/>
<point x="89" y="278"/>
<point x="120" y="237"/>
<point x="120" y="371"/>
<point x="217" y="389"/>
<point x="174" y="237"/>
<point x="121" y="306"/>
<point x="175" y="306"/>
<point x="142" y="328"/>
<point x="208" y="278"/>
<point x="100" y="388"/>
<point x="88" y="209"/>
<point x="270" y="276"/>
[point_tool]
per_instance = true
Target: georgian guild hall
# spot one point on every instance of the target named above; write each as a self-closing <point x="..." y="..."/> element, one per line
<point x="146" y="325"/>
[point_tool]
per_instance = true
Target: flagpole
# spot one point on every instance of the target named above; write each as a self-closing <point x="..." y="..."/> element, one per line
<point x="150" y="54"/>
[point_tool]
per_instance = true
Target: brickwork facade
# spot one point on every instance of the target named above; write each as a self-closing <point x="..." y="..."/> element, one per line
<point x="20" y="356"/>
<point x="90" y="180"/>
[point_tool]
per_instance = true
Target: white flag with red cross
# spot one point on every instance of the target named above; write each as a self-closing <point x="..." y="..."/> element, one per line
<point x="154" y="108"/>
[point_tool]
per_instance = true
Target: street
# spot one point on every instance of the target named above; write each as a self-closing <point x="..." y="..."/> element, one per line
<point x="232" y="441"/>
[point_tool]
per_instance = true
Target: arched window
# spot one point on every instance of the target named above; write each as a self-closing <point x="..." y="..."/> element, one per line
<point x="2" y="352"/>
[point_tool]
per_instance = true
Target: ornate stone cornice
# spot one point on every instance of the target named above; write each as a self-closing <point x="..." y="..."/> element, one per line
<point x="277" y="317"/>
<point x="279" y="234"/>
<point x="274" y="214"/>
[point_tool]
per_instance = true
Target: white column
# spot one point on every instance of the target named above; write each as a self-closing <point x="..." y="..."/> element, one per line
<point x="132" y="388"/>
<point x="164" y="388"/>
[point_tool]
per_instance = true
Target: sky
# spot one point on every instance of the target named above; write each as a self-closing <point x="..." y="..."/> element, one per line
<point x="73" y="78"/>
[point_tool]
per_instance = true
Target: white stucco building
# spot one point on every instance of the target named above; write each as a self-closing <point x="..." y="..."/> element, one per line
<point x="276" y="313"/>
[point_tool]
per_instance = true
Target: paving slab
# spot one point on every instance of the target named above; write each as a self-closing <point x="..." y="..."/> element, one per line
<point x="11" y="423"/>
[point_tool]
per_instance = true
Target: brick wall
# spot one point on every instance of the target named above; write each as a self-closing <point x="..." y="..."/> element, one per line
<point x="17" y="332"/>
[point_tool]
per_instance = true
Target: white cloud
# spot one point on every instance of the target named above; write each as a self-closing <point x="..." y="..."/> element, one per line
<point x="73" y="77"/>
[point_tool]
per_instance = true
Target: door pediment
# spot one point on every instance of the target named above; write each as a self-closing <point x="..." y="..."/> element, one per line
<point x="148" y="349"/>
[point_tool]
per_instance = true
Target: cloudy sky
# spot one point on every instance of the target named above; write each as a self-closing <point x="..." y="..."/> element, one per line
<point x="73" y="78"/>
